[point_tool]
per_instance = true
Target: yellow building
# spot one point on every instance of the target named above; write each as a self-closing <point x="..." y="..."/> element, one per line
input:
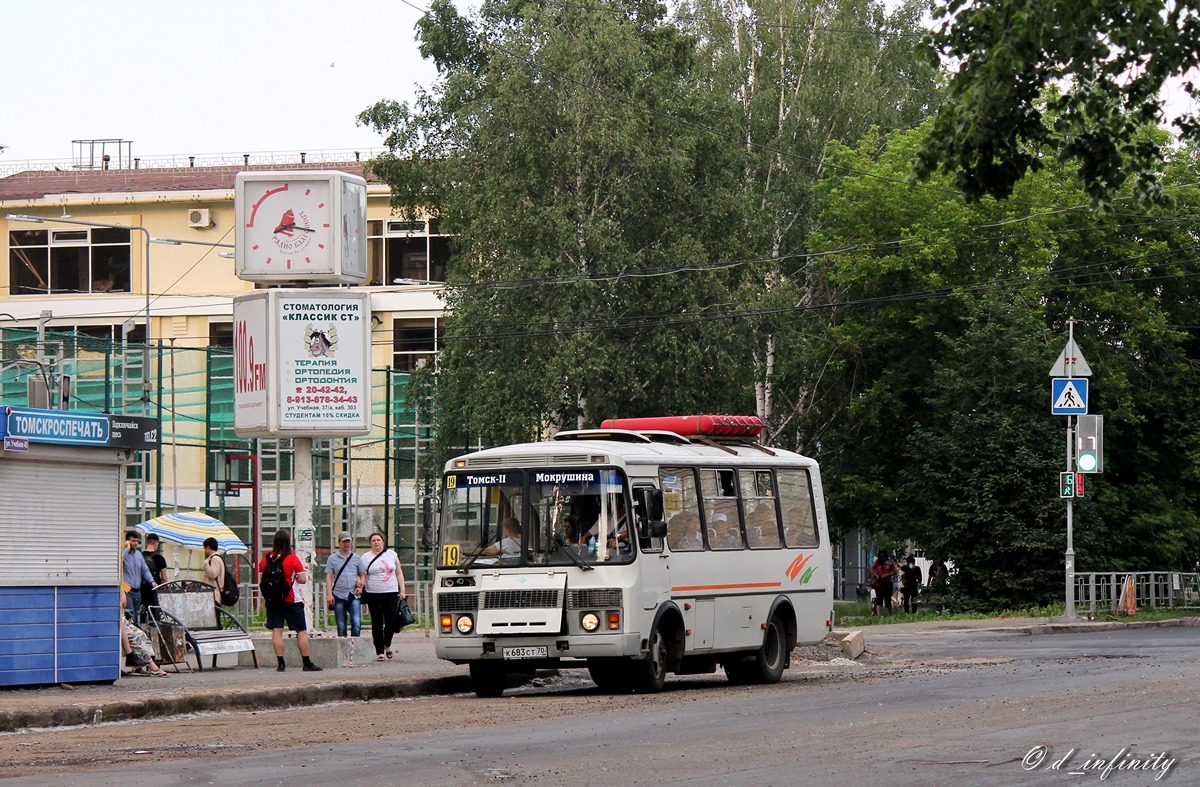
<point x="72" y="274"/>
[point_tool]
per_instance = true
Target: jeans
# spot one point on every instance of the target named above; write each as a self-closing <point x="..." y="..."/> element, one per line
<point x="351" y="606"/>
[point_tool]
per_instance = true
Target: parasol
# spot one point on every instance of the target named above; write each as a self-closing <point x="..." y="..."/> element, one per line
<point x="190" y="530"/>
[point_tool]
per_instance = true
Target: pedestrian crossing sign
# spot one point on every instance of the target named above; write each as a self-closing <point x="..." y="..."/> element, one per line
<point x="1069" y="396"/>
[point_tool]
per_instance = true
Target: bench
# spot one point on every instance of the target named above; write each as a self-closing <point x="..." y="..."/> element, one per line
<point x="209" y="628"/>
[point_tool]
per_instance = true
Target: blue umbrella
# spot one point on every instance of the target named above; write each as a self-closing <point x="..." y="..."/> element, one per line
<point x="191" y="529"/>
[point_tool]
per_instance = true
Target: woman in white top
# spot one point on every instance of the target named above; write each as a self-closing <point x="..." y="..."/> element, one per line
<point x="381" y="594"/>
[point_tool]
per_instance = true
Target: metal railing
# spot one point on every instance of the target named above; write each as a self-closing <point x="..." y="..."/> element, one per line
<point x="1101" y="590"/>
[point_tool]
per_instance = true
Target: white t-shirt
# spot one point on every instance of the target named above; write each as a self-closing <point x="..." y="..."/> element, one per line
<point x="383" y="575"/>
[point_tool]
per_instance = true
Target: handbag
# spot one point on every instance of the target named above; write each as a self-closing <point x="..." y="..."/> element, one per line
<point x="404" y="613"/>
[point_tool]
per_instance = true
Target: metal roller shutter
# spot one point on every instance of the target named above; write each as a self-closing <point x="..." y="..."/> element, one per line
<point x="59" y="524"/>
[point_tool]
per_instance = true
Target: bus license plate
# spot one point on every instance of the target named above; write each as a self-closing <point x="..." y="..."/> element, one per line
<point x="538" y="652"/>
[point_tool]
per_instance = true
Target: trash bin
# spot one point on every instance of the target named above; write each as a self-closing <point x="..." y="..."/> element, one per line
<point x="171" y="646"/>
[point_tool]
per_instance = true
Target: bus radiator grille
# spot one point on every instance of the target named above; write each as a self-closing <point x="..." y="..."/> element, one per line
<point x="594" y="598"/>
<point x="458" y="602"/>
<point x="520" y="599"/>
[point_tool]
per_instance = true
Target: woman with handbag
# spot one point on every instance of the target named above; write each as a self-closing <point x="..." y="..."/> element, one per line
<point x="382" y="593"/>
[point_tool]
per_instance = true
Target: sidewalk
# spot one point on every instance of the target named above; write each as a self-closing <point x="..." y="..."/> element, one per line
<point x="414" y="672"/>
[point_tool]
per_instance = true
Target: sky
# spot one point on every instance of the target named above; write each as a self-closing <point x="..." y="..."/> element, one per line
<point x="208" y="77"/>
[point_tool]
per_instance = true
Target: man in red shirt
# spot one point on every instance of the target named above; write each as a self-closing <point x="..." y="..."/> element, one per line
<point x="287" y="608"/>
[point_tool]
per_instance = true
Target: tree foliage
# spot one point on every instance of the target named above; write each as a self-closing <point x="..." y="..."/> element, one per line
<point x="1078" y="80"/>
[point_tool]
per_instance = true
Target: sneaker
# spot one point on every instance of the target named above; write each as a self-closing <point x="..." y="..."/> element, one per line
<point x="311" y="667"/>
<point x="281" y="668"/>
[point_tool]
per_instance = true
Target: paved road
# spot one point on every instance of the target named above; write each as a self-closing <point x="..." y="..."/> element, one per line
<point x="947" y="708"/>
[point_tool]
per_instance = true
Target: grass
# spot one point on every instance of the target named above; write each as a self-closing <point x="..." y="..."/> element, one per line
<point x="858" y="613"/>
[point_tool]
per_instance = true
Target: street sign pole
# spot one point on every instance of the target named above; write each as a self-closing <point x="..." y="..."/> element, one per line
<point x="1069" y="606"/>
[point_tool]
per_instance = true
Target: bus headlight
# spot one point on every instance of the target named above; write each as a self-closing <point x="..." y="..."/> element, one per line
<point x="590" y="621"/>
<point x="465" y="624"/>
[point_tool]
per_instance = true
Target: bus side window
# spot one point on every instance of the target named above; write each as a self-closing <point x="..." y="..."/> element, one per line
<point x="758" y="498"/>
<point x="799" y="517"/>
<point x="721" y="514"/>
<point x="681" y="508"/>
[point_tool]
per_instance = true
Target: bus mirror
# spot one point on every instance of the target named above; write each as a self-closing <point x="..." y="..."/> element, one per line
<point x="658" y="529"/>
<point x="428" y="513"/>
<point x="654" y="502"/>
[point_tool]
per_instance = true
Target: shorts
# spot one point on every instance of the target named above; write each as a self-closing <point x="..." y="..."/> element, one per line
<point x="291" y="613"/>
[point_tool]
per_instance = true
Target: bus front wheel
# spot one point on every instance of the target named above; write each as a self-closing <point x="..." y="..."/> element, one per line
<point x="651" y="673"/>
<point x="488" y="678"/>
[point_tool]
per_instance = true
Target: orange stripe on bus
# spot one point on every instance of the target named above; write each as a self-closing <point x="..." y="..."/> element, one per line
<point x="683" y="588"/>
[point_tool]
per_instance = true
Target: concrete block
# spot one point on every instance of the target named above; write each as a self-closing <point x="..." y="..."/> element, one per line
<point x="327" y="652"/>
<point x="853" y="644"/>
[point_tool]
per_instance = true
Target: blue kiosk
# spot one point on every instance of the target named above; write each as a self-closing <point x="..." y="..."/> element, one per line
<point x="61" y="522"/>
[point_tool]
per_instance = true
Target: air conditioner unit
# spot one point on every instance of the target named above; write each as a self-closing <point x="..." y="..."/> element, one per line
<point x="199" y="218"/>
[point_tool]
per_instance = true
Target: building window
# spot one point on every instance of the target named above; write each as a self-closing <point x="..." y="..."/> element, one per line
<point x="406" y="251"/>
<point x="413" y="342"/>
<point x="220" y="334"/>
<point x="45" y="262"/>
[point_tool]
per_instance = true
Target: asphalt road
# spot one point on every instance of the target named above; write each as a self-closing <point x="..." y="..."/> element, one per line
<point x="951" y="708"/>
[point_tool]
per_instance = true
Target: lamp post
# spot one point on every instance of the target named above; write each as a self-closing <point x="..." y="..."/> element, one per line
<point x="146" y="233"/>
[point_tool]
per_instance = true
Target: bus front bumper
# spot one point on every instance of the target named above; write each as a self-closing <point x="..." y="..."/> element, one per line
<point x="460" y="649"/>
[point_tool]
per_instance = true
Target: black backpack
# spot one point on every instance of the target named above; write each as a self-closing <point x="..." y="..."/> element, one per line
<point x="230" y="593"/>
<point x="272" y="585"/>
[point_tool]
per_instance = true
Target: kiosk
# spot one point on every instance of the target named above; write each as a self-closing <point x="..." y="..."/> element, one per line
<point x="60" y="535"/>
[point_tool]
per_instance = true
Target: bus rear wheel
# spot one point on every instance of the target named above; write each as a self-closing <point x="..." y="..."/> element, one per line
<point x="767" y="663"/>
<point x="488" y="678"/>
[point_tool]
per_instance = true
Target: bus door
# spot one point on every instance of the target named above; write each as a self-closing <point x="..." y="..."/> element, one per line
<point x="654" y="573"/>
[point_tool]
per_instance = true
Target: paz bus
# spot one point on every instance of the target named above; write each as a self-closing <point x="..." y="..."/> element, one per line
<point x="645" y="547"/>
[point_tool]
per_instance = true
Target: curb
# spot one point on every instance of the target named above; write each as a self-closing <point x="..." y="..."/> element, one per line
<point x="252" y="699"/>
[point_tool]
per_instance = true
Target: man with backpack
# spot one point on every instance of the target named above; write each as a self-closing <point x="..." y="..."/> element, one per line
<point x="225" y="588"/>
<point x="279" y="571"/>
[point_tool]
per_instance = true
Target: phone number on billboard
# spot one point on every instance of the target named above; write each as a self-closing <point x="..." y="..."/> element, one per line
<point x="322" y="400"/>
<point x="324" y="389"/>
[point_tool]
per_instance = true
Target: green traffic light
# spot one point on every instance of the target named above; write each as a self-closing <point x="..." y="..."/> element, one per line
<point x="1086" y="462"/>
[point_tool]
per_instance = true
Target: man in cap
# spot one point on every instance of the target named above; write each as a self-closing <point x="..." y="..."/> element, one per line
<point x="158" y="569"/>
<point x="344" y="578"/>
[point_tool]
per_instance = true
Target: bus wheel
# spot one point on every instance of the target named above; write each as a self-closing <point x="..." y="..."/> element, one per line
<point x="651" y="673"/>
<point x="488" y="678"/>
<point x="764" y="665"/>
<point x="772" y="657"/>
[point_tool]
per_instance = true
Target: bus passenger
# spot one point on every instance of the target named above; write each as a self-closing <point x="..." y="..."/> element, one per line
<point x="684" y="532"/>
<point x="762" y="529"/>
<point x="728" y="532"/>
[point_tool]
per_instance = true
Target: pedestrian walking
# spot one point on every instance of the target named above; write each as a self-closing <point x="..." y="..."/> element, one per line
<point x="910" y="584"/>
<point x="280" y="571"/>
<point x="344" y="577"/>
<point x="883" y="578"/>
<point x="381" y="593"/>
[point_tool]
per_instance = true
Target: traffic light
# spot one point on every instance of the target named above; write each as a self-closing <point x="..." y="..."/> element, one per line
<point x="1066" y="484"/>
<point x="1079" y="485"/>
<point x="1089" y="444"/>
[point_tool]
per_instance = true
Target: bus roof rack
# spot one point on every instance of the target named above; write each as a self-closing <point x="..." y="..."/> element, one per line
<point x="622" y="435"/>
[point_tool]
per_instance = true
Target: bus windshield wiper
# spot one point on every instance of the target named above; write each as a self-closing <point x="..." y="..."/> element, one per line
<point x="576" y="559"/>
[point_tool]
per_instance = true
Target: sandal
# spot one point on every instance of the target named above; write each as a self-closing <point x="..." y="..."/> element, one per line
<point x="162" y="673"/>
<point x="389" y="653"/>
<point x="379" y="657"/>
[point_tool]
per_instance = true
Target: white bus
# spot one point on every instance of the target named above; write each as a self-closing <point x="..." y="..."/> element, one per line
<point x="645" y="547"/>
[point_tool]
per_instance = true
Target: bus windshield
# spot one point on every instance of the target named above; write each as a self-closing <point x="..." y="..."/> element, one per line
<point x="558" y="516"/>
